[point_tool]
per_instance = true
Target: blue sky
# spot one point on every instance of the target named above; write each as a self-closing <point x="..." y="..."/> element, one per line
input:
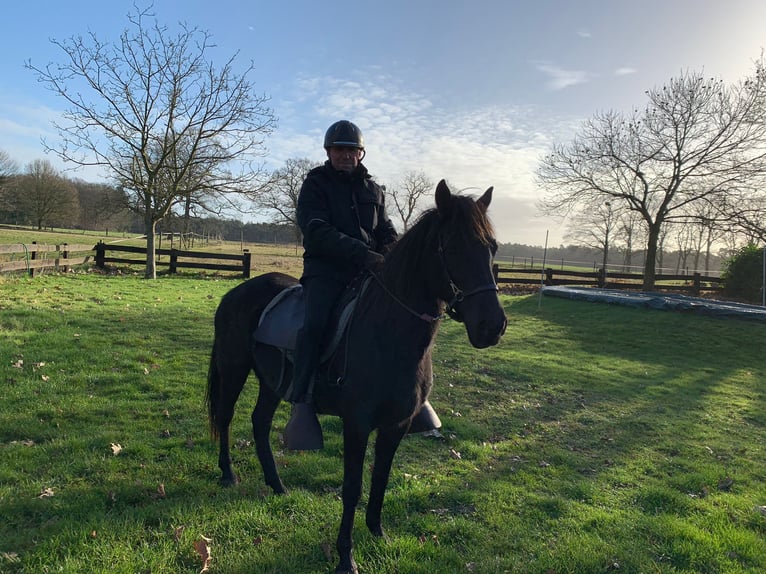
<point x="473" y="91"/>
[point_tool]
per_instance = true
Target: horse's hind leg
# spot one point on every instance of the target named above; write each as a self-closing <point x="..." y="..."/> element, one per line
<point x="232" y="381"/>
<point x="386" y="445"/>
<point x="263" y="416"/>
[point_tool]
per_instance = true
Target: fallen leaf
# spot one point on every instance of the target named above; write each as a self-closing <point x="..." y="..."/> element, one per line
<point x="25" y="442"/>
<point x="455" y="454"/>
<point x="177" y="532"/>
<point x="146" y="371"/>
<point x="327" y="549"/>
<point x="258" y="540"/>
<point x="93" y="534"/>
<point x="45" y="378"/>
<point x="725" y="484"/>
<point x="116" y="448"/>
<point x="9" y="556"/>
<point x="166" y="413"/>
<point x="161" y="490"/>
<point x="46" y="493"/>
<point x="18" y="364"/>
<point x="202" y="547"/>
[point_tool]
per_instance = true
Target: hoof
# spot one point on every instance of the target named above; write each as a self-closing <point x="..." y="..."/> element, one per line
<point x="229" y="481"/>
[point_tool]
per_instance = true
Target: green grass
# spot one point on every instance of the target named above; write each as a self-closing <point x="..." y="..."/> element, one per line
<point x="594" y="438"/>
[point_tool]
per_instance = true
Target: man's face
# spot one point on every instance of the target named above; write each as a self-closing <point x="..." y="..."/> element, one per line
<point x="344" y="158"/>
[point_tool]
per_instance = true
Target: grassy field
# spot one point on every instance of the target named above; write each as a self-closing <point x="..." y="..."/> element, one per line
<point x="592" y="439"/>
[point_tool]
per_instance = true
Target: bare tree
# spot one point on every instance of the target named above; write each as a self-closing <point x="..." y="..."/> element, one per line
<point x="407" y="193"/>
<point x="44" y="197"/>
<point x="594" y="226"/>
<point x="697" y="141"/>
<point x="8" y="168"/>
<point x="158" y="116"/>
<point x="279" y="197"/>
<point x="101" y="206"/>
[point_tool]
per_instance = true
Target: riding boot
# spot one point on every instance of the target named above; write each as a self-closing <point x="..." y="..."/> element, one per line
<point x="303" y="431"/>
<point x="426" y="420"/>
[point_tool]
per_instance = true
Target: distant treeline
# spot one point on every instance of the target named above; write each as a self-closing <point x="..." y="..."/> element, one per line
<point x="618" y="260"/>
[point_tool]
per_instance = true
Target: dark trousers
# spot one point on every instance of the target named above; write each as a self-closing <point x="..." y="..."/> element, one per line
<point x="321" y="294"/>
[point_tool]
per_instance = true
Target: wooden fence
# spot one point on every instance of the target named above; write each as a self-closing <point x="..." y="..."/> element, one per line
<point x="694" y="283"/>
<point x="34" y="257"/>
<point x="176" y="258"/>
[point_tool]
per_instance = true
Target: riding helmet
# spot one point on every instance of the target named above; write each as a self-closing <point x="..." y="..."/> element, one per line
<point x="343" y="134"/>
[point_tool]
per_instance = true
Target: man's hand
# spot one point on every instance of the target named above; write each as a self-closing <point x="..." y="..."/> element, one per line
<point x="374" y="261"/>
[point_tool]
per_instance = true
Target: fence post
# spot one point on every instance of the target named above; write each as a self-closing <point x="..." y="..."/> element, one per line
<point x="65" y="256"/>
<point x="100" y="254"/>
<point x="601" y="278"/>
<point x="32" y="257"/>
<point x="173" y="260"/>
<point x="549" y="276"/>
<point x="246" y="259"/>
<point x="697" y="284"/>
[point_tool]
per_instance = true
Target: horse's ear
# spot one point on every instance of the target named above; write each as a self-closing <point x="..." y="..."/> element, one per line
<point x="443" y="197"/>
<point x="485" y="199"/>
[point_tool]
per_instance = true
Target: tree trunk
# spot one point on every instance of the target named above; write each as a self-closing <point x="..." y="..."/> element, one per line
<point x="651" y="256"/>
<point x="151" y="260"/>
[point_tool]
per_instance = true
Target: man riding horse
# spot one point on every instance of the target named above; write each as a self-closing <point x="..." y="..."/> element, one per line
<point x="342" y="215"/>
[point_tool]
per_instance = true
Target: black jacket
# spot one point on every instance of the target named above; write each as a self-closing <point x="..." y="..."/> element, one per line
<point x="342" y="216"/>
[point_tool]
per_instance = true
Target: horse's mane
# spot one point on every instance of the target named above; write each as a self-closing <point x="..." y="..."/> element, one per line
<point x="463" y="222"/>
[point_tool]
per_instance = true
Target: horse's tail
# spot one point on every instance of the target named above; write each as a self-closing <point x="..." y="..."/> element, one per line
<point x="213" y="394"/>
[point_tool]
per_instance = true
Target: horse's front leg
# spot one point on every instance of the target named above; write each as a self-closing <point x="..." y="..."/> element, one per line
<point x="385" y="447"/>
<point x="354" y="447"/>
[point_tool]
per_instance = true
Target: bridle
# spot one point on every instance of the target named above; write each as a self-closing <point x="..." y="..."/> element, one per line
<point x="458" y="295"/>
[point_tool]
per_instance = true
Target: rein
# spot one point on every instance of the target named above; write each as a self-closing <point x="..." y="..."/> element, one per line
<point x="457" y="292"/>
<point x="424" y="316"/>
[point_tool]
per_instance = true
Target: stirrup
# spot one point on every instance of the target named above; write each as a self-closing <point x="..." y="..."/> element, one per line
<point x="303" y="431"/>
<point x="426" y="420"/>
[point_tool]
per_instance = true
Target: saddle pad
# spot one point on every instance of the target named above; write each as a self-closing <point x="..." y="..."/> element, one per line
<point x="283" y="318"/>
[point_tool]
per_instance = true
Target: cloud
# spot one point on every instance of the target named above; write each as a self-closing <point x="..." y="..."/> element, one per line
<point x="559" y="78"/>
<point x="472" y="148"/>
<point x="584" y="33"/>
<point x="625" y="71"/>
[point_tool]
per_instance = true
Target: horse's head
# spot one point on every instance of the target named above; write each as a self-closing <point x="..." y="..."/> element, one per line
<point x="466" y="247"/>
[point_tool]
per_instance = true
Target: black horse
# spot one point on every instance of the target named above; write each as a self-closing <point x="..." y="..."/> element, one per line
<point x="443" y="263"/>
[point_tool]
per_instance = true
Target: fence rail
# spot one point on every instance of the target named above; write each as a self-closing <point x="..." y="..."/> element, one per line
<point x="177" y="259"/>
<point x="34" y="257"/>
<point x="694" y="283"/>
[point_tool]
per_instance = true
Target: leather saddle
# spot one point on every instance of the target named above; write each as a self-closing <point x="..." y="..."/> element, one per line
<point x="283" y="318"/>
